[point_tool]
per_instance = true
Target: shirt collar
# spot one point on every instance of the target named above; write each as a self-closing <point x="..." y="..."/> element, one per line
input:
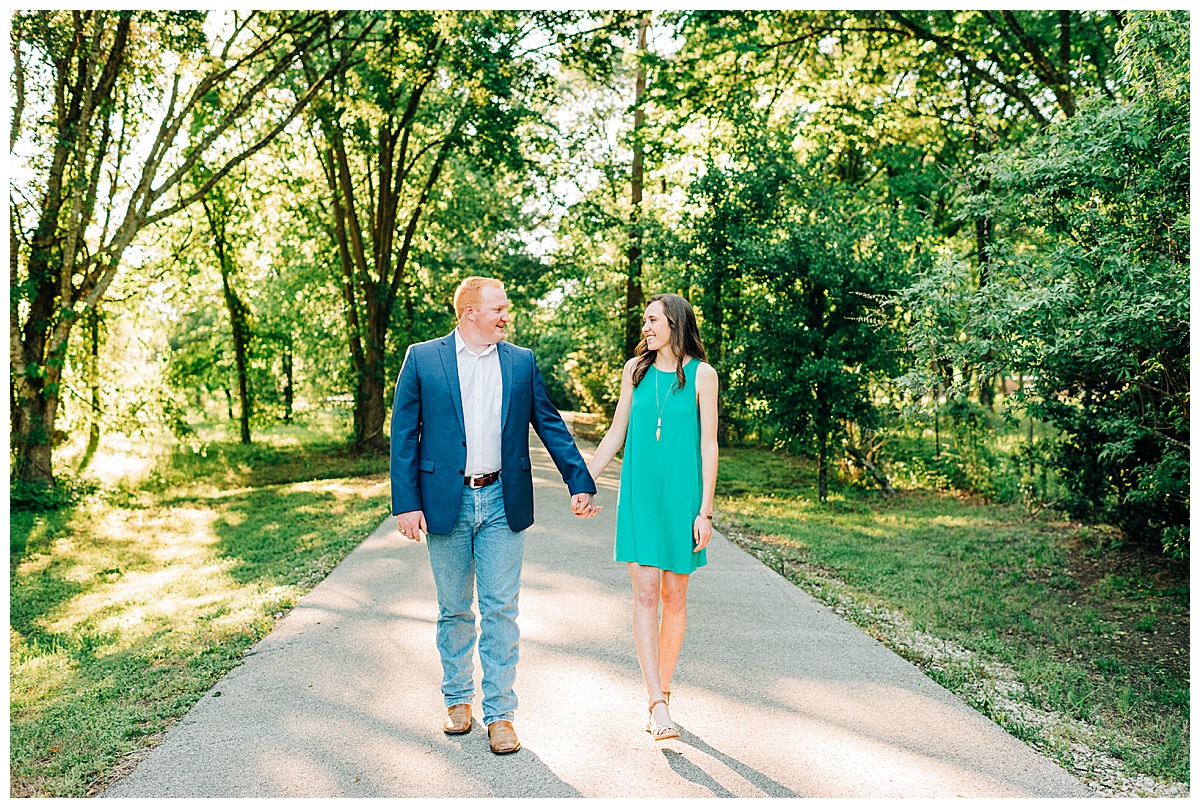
<point x="460" y="346"/>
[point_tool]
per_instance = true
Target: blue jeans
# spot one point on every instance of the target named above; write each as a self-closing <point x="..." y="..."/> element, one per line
<point x="478" y="552"/>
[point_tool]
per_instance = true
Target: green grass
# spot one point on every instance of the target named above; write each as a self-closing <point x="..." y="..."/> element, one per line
<point x="1093" y="632"/>
<point x="128" y="607"/>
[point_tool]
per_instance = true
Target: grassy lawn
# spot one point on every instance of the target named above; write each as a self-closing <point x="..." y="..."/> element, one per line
<point x="1076" y="646"/>
<point x="126" y="608"/>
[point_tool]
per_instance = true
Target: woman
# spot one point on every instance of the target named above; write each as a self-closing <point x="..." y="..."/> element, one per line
<point x="667" y="420"/>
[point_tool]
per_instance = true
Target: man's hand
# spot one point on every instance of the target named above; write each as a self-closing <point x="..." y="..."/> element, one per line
<point x="411" y="524"/>
<point x="584" y="506"/>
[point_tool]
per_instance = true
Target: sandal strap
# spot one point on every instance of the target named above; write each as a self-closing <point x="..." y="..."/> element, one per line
<point x="656" y="702"/>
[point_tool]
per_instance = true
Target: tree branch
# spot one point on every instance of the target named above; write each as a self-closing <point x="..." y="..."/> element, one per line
<point x="19" y="91"/>
<point x="1042" y="67"/>
<point x="254" y="148"/>
<point x="943" y="44"/>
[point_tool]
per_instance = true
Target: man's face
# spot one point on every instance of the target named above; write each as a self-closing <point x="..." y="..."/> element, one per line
<point x="489" y="320"/>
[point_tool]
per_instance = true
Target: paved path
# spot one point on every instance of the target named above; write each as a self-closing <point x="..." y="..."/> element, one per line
<point x="774" y="695"/>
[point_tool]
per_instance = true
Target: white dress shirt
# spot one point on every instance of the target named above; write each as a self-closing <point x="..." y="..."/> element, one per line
<point x="482" y="388"/>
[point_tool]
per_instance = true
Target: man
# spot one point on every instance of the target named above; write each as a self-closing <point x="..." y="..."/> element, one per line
<point x="461" y="474"/>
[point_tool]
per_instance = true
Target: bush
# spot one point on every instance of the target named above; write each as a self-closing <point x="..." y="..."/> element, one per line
<point x="37" y="497"/>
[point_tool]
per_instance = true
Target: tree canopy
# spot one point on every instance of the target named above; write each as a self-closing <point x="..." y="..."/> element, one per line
<point x="884" y="219"/>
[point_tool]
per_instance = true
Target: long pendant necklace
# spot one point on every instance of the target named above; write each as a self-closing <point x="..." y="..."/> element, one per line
<point x="661" y="407"/>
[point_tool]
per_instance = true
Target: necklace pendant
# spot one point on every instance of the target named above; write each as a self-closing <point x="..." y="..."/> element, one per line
<point x="658" y="431"/>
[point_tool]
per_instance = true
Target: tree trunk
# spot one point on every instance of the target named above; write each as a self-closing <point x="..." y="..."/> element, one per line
<point x="821" y="425"/>
<point x="983" y="237"/>
<point x="633" y="281"/>
<point x="92" y="370"/>
<point x="937" y="434"/>
<point x="240" y="356"/>
<point x="288" y="382"/>
<point x="34" y="462"/>
<point x="239" y="312"/>
<point x="822" y="463"/>
<point x="370" y="410"/>
<point x="372" y="276"/>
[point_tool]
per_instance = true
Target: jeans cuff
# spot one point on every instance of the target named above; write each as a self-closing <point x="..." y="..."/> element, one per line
<point x="487" y="722"/>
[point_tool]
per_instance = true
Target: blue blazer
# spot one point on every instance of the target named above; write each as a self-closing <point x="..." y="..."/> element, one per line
<point x="429" y="440"/>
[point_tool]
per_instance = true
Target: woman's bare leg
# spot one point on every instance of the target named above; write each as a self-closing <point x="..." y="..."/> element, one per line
<point x="674" y="622"/>
<point x="646" y="583"/>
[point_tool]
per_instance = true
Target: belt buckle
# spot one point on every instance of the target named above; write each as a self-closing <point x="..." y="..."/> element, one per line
<point x="471" y="482"/>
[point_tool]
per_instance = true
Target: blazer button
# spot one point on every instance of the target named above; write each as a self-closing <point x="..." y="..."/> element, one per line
<point x="460" y="471"/>
<point x="464" y="443"/>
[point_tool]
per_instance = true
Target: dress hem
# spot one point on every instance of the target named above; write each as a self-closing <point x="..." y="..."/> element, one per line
<point x="658" y="566"/>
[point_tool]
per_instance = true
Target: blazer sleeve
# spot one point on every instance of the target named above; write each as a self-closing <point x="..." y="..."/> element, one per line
<point x="406" y="430"/>
<point x="557" y="438"/>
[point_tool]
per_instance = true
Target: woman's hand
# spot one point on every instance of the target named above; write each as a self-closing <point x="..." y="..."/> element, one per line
<point x="701" y="532"/>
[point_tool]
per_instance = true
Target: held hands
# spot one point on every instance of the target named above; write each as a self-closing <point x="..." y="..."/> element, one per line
<point x="701" y="532"/>
<point x="412" y="524"/>
<point x="584" y="506"/>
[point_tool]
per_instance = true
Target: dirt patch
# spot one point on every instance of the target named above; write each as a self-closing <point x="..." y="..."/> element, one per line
<point x="1143" y="595"/>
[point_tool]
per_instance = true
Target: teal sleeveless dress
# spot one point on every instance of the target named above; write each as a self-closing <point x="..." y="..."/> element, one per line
<point x="661" y="482"/>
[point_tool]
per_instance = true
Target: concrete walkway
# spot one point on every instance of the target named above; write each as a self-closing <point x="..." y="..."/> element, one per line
<point x="774" y="695"/>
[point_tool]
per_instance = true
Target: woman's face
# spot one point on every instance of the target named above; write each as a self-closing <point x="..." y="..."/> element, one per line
<point x="655" y="327"/>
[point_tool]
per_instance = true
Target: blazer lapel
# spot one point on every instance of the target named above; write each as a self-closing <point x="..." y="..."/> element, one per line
<point x="505" y="381"/>
<point x="450" y="365"/>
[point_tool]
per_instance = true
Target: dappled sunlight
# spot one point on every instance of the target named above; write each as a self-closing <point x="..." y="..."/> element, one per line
<point x="33" y="673"/>
<point x="141" y="572"/>
<point x="550" y="614"/>
<point x="345" y="489"/>
<point x="974" y="521"/>
<point x="885" y="713"/>
<point x="119" y="460"/>
<point x="772" y="697"/>
<point x="186" y="580"/>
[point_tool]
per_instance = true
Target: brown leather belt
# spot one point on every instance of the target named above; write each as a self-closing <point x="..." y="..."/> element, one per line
<point x="482" y="480"/>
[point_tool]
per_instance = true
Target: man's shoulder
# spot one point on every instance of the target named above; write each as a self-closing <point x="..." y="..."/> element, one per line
<point x="516" y="350"/>
<point x="429" y="345"/>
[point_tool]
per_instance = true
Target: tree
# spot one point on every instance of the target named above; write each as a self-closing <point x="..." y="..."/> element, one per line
<point x="428" y="86"/>
<point x="911" y="96"/>
<point x="818" y="341"/>
<point x="108" y="139"/>
<point x="1087" y="297"/>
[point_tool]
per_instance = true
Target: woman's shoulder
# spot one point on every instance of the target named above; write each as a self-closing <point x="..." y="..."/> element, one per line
<point x="704" y="371"/>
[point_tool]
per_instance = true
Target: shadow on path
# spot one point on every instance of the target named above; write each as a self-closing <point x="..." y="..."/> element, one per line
<point x="686" y="768"/>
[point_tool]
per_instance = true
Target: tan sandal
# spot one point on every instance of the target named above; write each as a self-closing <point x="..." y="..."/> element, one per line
<point x="667" y="697"/>
<point x="660" y="732"/>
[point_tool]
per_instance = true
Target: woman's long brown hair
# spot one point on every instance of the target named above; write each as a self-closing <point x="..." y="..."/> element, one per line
<point x="685" y="339"/>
